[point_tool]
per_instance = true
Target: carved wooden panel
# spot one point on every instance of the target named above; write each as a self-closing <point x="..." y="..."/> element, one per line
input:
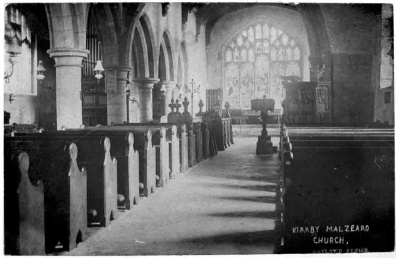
<point x="323" y="103"/>
<point x="307" y="102"/>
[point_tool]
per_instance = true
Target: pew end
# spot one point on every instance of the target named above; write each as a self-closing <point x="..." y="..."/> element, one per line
<point x="24" y="209"/>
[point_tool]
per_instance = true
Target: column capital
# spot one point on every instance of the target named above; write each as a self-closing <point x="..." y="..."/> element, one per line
<point x="145" y="83"/>
<point x="169" y="85"/>
<point x="145" y="80"/>
<point x="68" y="56"/>
<point x="119" y="68"/>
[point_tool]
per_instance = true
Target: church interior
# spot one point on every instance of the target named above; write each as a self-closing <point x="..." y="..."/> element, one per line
<point x="198" y="128"/>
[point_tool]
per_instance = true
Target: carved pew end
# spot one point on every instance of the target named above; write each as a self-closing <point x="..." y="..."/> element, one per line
<point x="287" y="146"/>
<point x="24" y="209"/>
<point x="92" y="213"/>
<point x="157" y="180"/>
<point x="121" y="202"/>
<point x="288" y="156"/>
<point x="141" y="189"/>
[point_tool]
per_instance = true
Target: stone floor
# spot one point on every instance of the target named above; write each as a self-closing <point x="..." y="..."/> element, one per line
<point x="225" y="205"/>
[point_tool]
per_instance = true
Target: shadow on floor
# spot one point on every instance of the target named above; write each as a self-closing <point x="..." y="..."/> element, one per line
<point x="245" y="214"/>
<point x="248" y="177"/>
<point x="266" y="188"/>
<point x="240" y="241"/>
<point x="262" y="199"/>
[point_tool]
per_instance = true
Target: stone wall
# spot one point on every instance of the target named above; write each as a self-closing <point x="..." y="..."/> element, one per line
<point x="384" y="109"/>
<point x="178" y="33"/>
<point x="227" y="26"/>
<point x="353" y="31"/>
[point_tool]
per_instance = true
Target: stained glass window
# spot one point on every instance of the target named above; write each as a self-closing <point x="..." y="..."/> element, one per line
<point x="254" y="61"/>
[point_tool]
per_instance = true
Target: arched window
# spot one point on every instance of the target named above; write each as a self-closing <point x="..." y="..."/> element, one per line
<point x="254" y="61"/>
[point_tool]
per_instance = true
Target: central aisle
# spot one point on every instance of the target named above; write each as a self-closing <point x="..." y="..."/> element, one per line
<point x="224" y="205"/>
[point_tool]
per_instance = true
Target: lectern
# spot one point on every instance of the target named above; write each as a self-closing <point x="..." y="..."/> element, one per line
<point x="264" y="144"/>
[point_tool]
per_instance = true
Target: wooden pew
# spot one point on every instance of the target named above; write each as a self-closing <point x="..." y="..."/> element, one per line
<point x="143" y="143"/>
<point x="65" y="188"/>
<point x="24" y="231"/>
<point x="183" y="148"/>
<point x="172" y="139"/>
<point x="9" y="130"/>
<point x="191" y="145"/>
<point x="226" y="132"/>
<point x="127" y="157"/>
<point x="216" y="131"/>
<point x="205" y="140"/>
<point x="101" y="171"/>
<point x="197" y="127"/>
<point x="337" y="180"/>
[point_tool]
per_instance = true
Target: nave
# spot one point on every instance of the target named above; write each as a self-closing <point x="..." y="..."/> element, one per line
<point x="111" y="111"/>
<point x="225" y="205"/>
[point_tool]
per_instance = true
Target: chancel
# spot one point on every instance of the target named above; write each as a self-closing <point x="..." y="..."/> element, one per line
<point x="198" y="128"/>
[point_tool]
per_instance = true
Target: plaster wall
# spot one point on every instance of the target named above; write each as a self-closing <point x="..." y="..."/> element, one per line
<point x="196" y="59"/>
<point x="22" y="109"/>
<point x="22" y="85"/>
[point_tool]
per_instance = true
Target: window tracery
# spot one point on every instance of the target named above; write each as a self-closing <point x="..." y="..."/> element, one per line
<point x="254" y="61"/>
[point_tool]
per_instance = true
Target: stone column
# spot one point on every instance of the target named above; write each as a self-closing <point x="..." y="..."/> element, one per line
<point x="68" y="63"/>
<point x="145" y="90"/>
<point x="116" y="79"/>
<point x="169" y="86"/>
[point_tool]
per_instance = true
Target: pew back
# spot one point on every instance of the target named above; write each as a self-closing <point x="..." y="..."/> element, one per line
<point x="336" y="178"/>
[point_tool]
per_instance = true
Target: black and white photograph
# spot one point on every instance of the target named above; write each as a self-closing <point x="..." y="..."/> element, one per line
<point x="136" y="128"/>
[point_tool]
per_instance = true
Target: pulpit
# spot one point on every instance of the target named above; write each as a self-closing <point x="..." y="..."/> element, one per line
<point x="307" y="103"/>
<point x="264" y="144"/>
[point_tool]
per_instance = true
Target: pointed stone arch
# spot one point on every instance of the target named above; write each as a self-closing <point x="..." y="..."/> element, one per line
<point x="67" y="24"/>
<point x="106" y="27"/>
<point x="184" y="58"/>
<point x="140" y="53"/>
<point x="147" y="34"/>
<point x="167" y="47"/>
<point x="318" y="38"/>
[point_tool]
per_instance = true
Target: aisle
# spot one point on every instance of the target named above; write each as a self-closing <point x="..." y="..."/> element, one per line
<point x="226" y="205"/>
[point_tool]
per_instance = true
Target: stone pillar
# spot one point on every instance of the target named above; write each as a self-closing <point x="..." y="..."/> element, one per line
<point x="145" y="90"/>
<point x="116" y="79"/>
<point x="169" y="86"/>
<point x="68" y="63"/>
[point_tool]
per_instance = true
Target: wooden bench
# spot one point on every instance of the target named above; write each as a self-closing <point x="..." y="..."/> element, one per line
<point x="65" y="188"/>
<point x="336" y="178"/>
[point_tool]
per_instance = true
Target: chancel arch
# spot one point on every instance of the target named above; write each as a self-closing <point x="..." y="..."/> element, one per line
<point x="255" y="58"/>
